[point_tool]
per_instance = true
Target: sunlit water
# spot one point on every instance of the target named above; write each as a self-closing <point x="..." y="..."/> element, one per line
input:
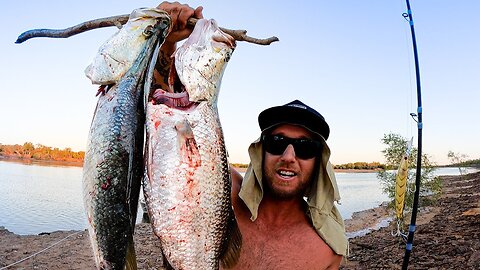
<point x="36" y="198"/>
<point x="358" y="191"/>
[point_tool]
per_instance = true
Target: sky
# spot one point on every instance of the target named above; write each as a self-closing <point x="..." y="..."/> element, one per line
<point x="350" y="60"/>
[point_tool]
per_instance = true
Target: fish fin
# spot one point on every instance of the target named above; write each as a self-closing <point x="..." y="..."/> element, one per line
<point x="187" y="144"/>
<point x="131" y="258"/>
<point x="136" y="168"/>
<point x="233" y="246"/>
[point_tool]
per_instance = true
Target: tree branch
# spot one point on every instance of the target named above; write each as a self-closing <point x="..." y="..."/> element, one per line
<point x="239" y="35"/>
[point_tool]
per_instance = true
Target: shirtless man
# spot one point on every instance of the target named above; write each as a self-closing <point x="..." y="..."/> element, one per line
<point x="277" y="227"/>
<point x="280" y="229"/>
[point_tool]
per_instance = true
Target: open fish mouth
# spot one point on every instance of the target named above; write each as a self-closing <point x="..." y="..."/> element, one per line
<point x="178" y="98"/>
<point x="196" y="64"/>
<point x="179" y="101"/>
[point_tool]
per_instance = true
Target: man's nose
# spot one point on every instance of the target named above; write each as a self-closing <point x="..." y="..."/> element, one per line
<point x="288" y="154"/>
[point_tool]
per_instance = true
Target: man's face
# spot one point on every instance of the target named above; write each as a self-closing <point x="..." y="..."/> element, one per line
<point x="286" y="175"/>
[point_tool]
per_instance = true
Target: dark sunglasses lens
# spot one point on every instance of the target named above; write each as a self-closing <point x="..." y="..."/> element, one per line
<point x="304" y="148"/>
<point x="275" y="145"/>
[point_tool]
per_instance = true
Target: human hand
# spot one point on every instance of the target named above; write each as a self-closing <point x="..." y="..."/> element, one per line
<point x="179" y="14"/>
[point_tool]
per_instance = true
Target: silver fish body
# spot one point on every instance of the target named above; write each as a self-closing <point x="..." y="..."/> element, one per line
<point x="187" y="181"/>
<point x="113" y="167"/>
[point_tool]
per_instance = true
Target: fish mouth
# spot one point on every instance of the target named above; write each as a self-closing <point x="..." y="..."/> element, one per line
<point x="179" y="101"/>
<point x="177" y="97"/>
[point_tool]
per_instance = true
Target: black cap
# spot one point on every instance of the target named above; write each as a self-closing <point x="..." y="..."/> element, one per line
<point x="297" y="113"/>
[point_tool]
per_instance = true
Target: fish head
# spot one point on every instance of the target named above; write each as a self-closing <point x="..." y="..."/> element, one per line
<point x="200" y="62"/>
<point x="117" y="55"/>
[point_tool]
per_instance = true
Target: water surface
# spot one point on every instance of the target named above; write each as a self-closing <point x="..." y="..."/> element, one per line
<point x="35" y="198"/>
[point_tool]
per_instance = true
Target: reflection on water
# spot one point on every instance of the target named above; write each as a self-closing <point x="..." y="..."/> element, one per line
<point x="36" y="198"/>
<point x="40" y="198"/>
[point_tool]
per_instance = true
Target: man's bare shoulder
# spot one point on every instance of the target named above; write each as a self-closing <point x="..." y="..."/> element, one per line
<point x="237" y="179"/>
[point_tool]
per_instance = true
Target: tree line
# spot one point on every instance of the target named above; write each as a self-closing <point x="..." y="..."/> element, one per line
<point x="468" y="163"/>
<point x="40" y="152"/>
<point x="348" y="166"/>
<point x="361" y="166"/>
<point x="461" y="160"/>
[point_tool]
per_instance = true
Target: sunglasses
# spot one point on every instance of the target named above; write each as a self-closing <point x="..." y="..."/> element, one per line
<point x="304" y="148"/>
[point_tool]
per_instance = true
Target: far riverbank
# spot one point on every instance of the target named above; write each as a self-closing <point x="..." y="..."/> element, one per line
<point x="80" y="164"/>
<point x="41" y="161"/>
<point x="242" y="170"/>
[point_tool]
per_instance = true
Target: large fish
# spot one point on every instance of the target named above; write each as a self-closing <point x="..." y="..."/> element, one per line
<point x="113" y="165"/>
<point x="187" y="183"/>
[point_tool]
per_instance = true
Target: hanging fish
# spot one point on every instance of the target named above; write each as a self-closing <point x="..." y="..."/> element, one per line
<point x="113" y="168"/>
<point x="187" y="183"/>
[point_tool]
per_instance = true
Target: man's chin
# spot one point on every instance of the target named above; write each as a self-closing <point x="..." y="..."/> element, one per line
<point x="284" y="193"/>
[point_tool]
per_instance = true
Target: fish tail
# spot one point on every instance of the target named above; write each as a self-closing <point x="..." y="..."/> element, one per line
<point x="131" y="258"/>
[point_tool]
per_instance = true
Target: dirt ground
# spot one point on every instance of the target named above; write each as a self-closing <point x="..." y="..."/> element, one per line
<point x="447" y="237"/>
<point x="447" y="234"/>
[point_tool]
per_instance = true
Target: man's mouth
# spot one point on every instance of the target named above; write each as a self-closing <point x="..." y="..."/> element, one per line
<point x="286" y="174"/>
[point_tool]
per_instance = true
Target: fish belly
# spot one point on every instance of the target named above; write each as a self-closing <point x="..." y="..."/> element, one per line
<point x="187" y="184"/>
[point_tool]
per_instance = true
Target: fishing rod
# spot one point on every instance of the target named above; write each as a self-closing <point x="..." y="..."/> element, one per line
<point x="411" y="229"/>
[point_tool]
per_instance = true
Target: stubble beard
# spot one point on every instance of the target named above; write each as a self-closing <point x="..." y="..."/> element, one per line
<point x="278" y="193"/>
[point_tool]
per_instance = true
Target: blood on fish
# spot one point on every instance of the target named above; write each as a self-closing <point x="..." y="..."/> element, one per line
<point x="107" y="184"/>
<point x="157" y="123"/>
<point x="101" y="90"/>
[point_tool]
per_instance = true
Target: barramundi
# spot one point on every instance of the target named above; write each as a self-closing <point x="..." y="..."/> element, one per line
<point x="187" y="180"/>
<point x="113" y="165"/>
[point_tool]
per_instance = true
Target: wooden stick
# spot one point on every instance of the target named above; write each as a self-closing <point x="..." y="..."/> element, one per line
<point x="239" y="35"/>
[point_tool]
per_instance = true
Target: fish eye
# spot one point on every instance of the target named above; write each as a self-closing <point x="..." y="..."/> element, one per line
<point x="165" y="22"/>
<point x="148" y="31"/>
<point x="227" y="56"/>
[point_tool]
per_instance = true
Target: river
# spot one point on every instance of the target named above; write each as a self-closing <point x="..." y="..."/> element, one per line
<point x="35" y="198"/>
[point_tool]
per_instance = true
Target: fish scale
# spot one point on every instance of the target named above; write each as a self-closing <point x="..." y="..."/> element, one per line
<point x="187" y="180"/>
<point x="107" y="154"/>
<point x="185" y="192"/>
<point x="113" y="164"/>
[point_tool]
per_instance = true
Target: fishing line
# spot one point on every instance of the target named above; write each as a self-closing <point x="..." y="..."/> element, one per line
<point x="402" y="183"/>
<point x="409" y="106"/>
<point x="41" y="251"/>
<point x="410" y="99"/>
